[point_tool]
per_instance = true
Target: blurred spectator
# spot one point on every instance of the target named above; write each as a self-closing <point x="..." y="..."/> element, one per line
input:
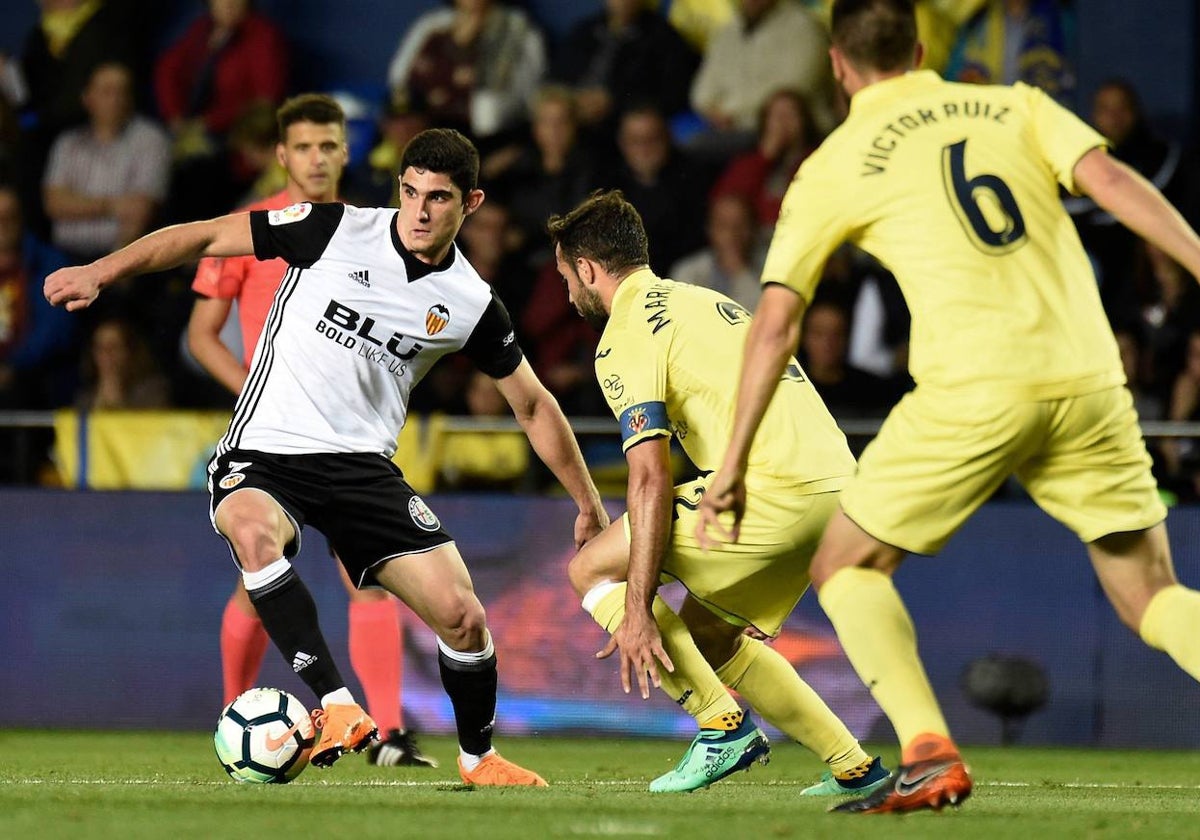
<point x="118" y="370"/>
<point x="1117" y="114"/>
<point x="771" y="44"/>
<point x="228" y="59"/>
<point x="697" y="20"/>
<point x="562" y="345"/>
<point x="477" y="65"/>
<point x="626" y="55"/>
<point x="10" y="142"/>
<point x="938" y="25"/>
<point x="45" y="83"/>
<point x="374" y="181"/>
<point x="550" y="175"/>
<point x="106" y="180"/>
<point x="1130" y="343"/>
<point x="667" y="188"/>
<point x="1181" y="456"/>
<point x="252" y="139"/>
<point x="732" y="263"/>
<point x="34" y="336"/>
<point x="492" y="246"/>
<point x="847" y="391"/>
<point x="1170" y="311"/>
<point x="1016" y="41"/>
<point x="786" y="136"/>
<point x="879" y="317"/>
<point x="37" y="342"/>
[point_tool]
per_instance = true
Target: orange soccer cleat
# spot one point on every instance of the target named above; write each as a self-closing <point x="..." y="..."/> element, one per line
<point x="931" y="783"/>
<point x="496" y="771"/>
<point x="345" y="727"/>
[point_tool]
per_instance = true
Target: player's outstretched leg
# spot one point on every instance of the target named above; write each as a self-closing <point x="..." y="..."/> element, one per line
<point x="931" y="775"/>
<point x="470" y="680"/>
<point x="715" y="754"/>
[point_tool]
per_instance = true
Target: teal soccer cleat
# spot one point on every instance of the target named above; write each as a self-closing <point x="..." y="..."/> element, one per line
<point x="870" y="782"/>
<point x="713" y="755"/>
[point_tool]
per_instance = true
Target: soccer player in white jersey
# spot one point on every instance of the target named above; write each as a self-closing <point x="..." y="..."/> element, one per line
<point x="372" y="298"/>
<point x="956" y="189"/>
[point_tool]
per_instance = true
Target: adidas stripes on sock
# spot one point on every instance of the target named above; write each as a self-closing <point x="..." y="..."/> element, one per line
<point x="289" y="615"/>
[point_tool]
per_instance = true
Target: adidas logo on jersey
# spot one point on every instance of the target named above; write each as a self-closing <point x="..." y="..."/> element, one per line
<point x="302" y="660"/>
<point x="361" y="277"/>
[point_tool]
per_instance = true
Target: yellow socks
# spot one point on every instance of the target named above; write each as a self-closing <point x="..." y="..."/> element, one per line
<point x="1171" y="624"/>
<point x="693" y="685"/>
<point x="878" y="637"/>
<point x="771" y="685"/>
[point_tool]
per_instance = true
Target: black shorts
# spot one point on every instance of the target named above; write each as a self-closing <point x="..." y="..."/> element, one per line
<point x="360" y="502"/>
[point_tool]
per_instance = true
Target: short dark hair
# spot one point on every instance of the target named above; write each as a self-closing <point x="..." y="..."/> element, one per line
<point x="879" y="34"/>
<point x="445" y="151"/>
<point x="309" y="107"/>
<point x="605" y="228"/>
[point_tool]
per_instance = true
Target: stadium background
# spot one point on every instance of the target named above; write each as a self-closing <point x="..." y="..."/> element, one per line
<point x="109" y="640"/>
<point x="1153" y="44"/>
<point x="110" y="606"/>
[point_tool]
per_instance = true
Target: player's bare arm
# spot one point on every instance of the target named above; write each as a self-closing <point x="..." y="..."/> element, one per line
<point x="226" y="236"/>
<point x="1139" y="206"/>
<point x="204" y="342"/>
<point x="772" y="340"/>
<point x="649" y="499"/>
<point x="552" y="439"/>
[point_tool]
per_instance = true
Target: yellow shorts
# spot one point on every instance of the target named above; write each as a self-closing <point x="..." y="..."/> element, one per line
<point x="939" y="456"/>
<point x="759" y="579"/>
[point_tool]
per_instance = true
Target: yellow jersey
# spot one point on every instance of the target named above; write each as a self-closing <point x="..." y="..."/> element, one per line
<point x="668" y="363"/>
<point x="954" y="188"/>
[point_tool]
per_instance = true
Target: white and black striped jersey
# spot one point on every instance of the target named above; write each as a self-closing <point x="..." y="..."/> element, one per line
<point x="356" y="323"/>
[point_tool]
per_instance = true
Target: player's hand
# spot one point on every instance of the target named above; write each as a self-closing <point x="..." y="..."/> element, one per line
<point x="640" y="644"/>
<point x="589" y="524"/>
<point x="75" y="287"/>
<point x="726" y="494"/>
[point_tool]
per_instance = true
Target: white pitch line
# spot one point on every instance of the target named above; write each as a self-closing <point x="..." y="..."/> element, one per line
<point x="632" y="783"/>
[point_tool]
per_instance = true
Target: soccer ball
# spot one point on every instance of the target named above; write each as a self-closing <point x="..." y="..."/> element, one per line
<point x="265" y="735"/>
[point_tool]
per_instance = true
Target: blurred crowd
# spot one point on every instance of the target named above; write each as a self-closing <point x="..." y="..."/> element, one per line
<point x="701" y="111"/>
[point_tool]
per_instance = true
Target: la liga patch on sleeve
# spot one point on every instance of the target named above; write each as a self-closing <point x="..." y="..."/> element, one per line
<point x="287" y="215"/>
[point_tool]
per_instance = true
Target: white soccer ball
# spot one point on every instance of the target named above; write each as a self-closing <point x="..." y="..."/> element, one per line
<point x="265" y="735"/>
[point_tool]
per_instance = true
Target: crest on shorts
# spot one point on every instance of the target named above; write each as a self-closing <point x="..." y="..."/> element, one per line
<point x="287" y="215"/>
<point x="436" y="318"/>
<point x="232" y="480"/>
<point x="422" y="515"/>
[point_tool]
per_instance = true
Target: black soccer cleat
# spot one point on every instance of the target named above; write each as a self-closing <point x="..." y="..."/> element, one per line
<point x="399" y="749"/>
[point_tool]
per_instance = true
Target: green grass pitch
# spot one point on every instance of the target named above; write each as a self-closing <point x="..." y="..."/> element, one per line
<point x="169" y="785"/>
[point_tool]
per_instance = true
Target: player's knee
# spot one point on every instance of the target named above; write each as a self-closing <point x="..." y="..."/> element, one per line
<point x="461" y="623"/>
<point x="581" y="572"/>
<point x="255" y="540"/>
